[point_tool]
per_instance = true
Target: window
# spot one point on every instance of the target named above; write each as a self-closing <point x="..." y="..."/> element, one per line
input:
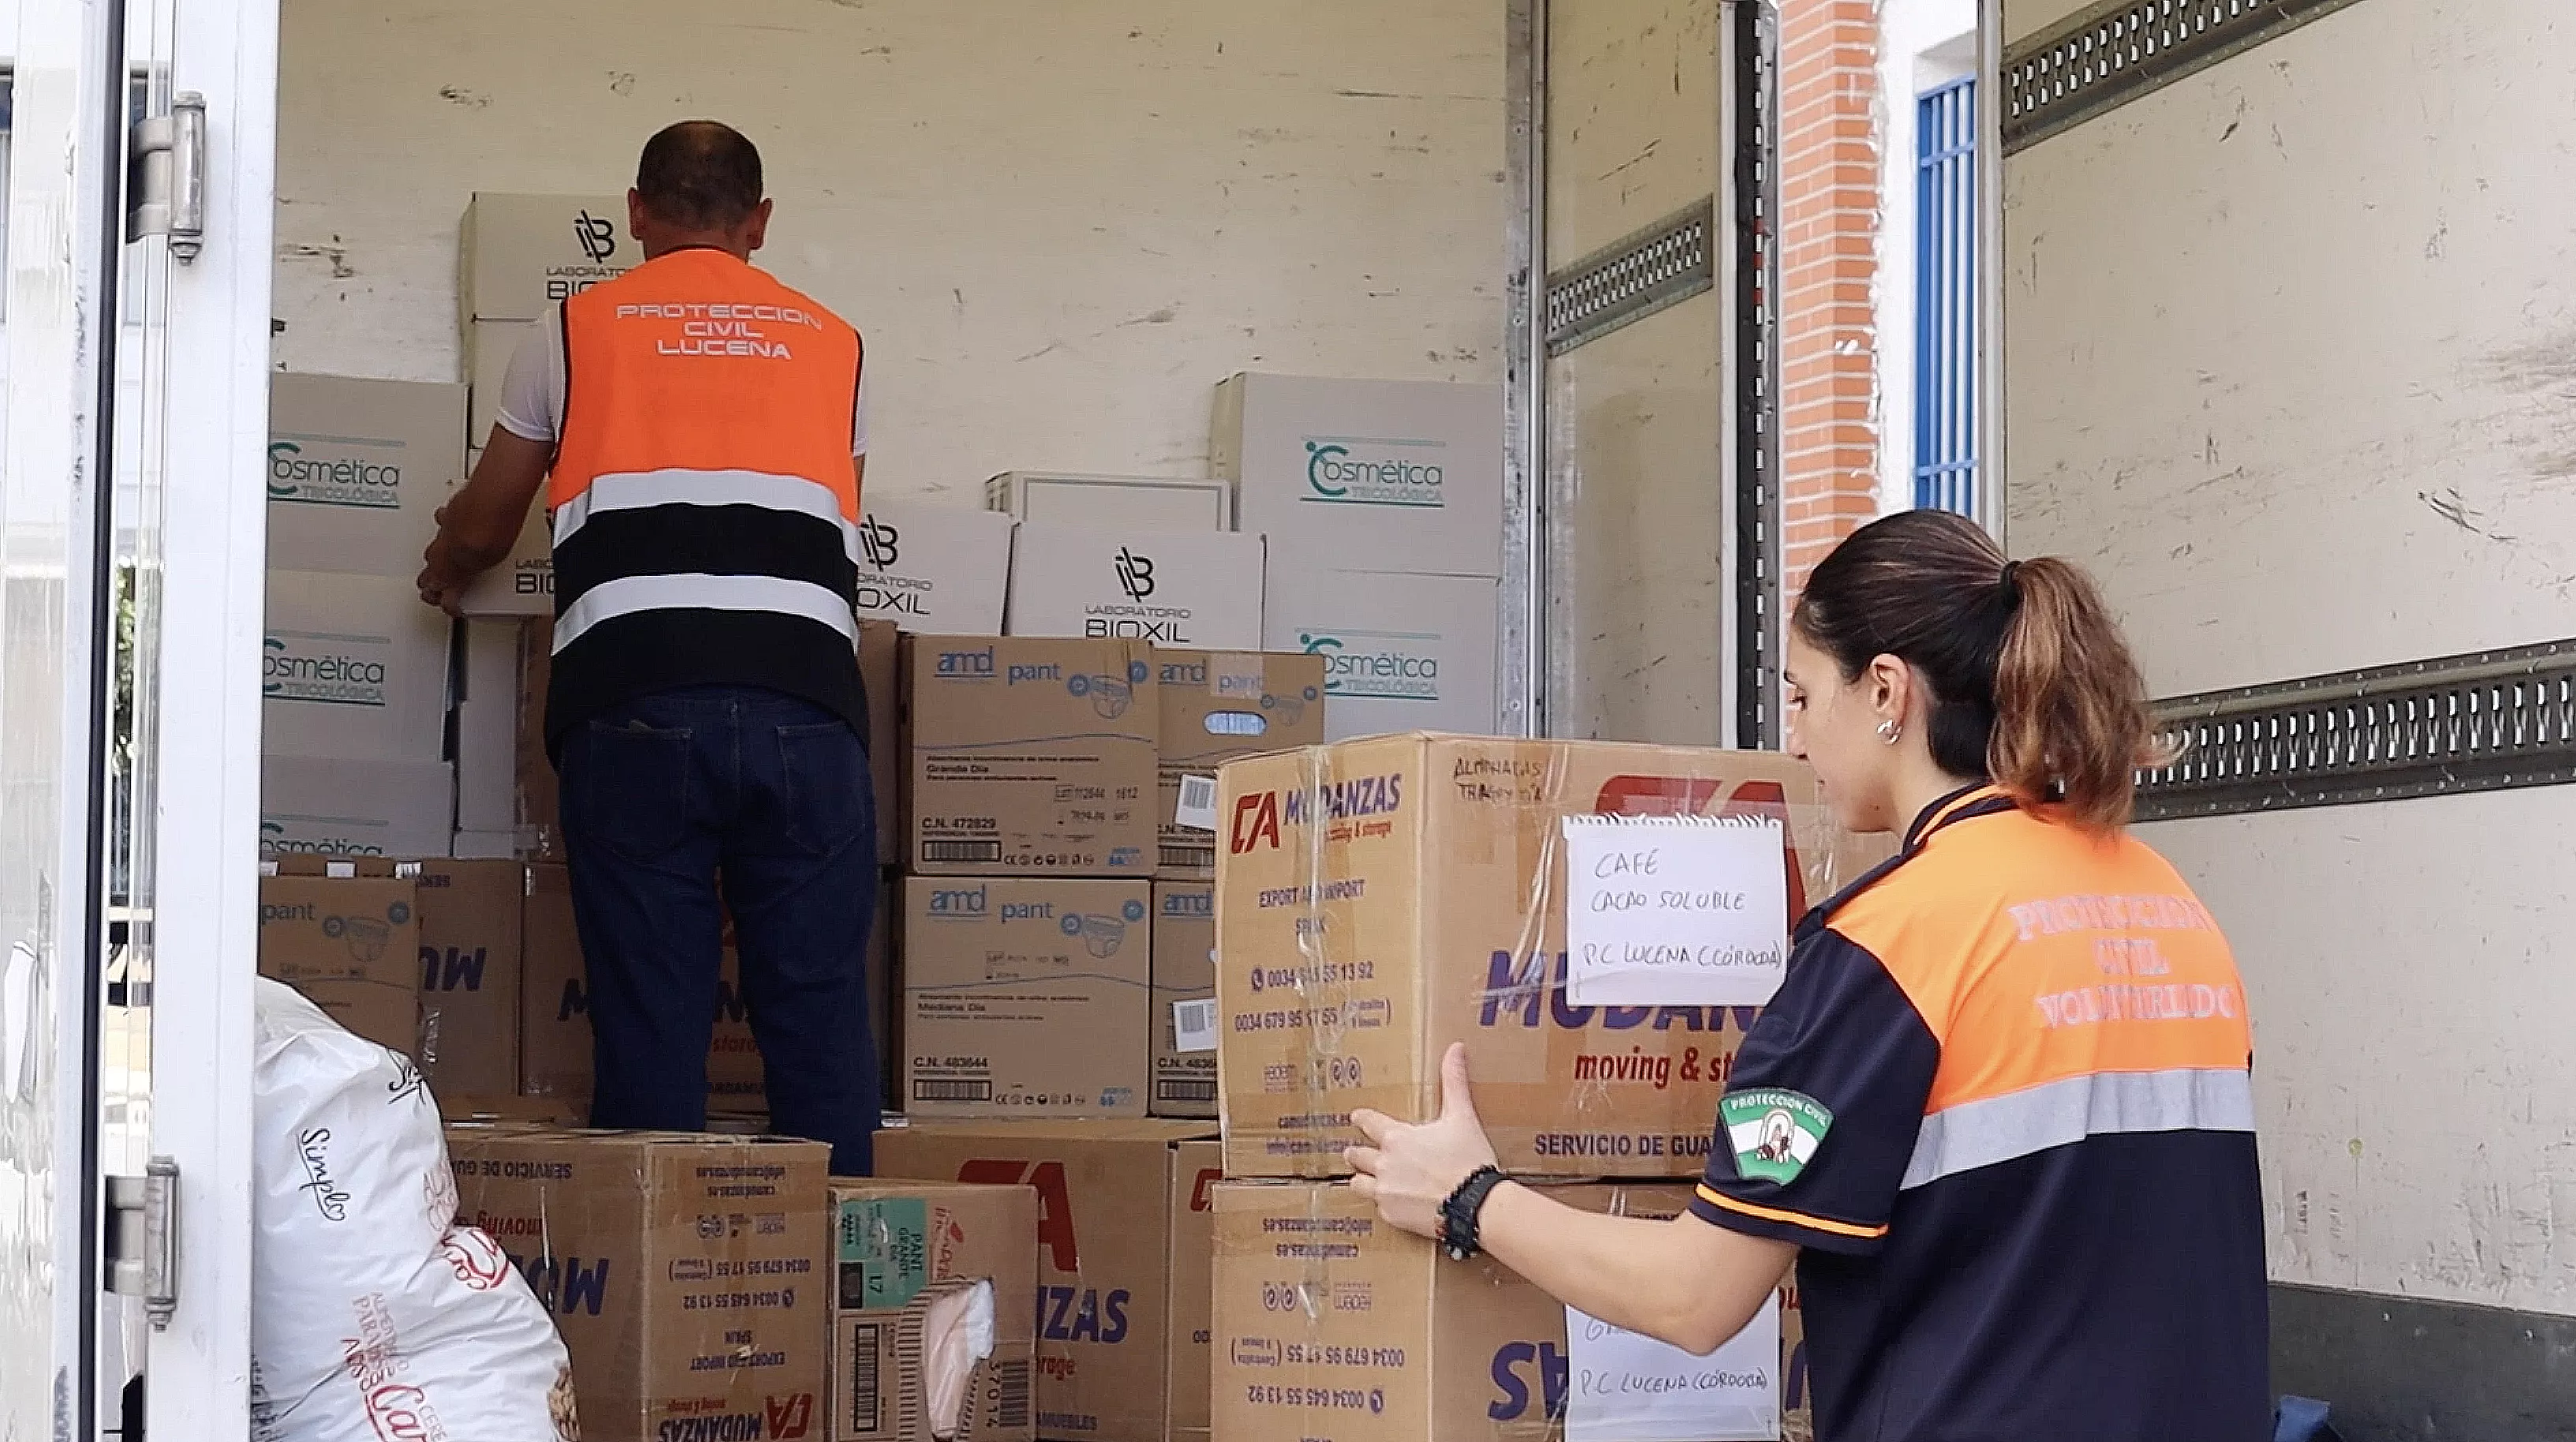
<point x="1945" y="298"/>
<point x="138" y="101"/>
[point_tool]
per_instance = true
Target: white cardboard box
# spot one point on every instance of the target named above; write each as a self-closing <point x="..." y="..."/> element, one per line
<point x="1127" y="503"/>
<point x="1372" y="475"/>
<point x="1198" y="589"/>
<point x="358" y="808"/>
<point x="523" y="584"/>
<point x="487" y="846"/>
<point x="353" y="667"/>
<point x="356" y="471"/>
<point x="489" y="344"/>
<point x="1401" y="653"/>
<point x="487" y="726"/>
<point x="939" y="570"/>
<point x="518" y="254"/>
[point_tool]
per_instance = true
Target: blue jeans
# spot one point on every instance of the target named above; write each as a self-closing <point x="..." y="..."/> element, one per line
<point x="661" y="796"/>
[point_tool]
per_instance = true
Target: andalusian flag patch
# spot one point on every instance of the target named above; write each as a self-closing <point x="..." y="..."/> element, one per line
<point x="1773" y="1132"/>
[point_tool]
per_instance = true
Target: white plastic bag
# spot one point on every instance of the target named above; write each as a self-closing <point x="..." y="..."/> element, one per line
<point x="374" y="1318"/>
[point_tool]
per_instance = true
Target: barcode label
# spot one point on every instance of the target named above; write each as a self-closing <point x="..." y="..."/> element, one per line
<point x="952" y="1091"/>
<point x="1194" y="1025"/>
<point x="950" y="853"/>
<point x="1010" y="1396"/>
<point x="1197" y="809"/>
<point x="866" y="1411"/>
<point x="1185" y="1090"/>
<point x="1188" y="858"/>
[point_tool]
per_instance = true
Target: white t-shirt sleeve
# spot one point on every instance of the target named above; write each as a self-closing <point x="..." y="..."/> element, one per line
<point x="532" y="393"/>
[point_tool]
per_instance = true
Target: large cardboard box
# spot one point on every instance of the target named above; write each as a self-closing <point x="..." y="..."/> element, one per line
<point x="490" y="345"/>
<point x="487" y="726"/>
<point x="1184" y="972"/>
<point x="1378" y="475"/>
<point x="1381" y="1338"/>
<point x="881" y="674"/>
<point x="357" y="469"/>
<point x="332" y="806"/>
<point x="346" y="933"/>
<point x="1030" y="756"/>
<point x="690" y="1276"/>
<point x="934" y="569"/>
<point x="1432" y="910"/>
<point x="1171" y="588"/>
<point x="896" y="1242"/>
<point x="1025" y="996"/>
<point x="1131" y="503"/>
<point x="518" y="254"/>
<point x="1217" y="706"/>
<point x="540" y="822"/>
<point x="1401" y="653"/>
<point x="352" y="666"/>
<point x="1124" y="1237"/>
<point x="469" y="976"/>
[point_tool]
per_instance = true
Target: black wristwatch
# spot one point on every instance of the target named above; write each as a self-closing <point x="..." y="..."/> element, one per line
<point x="1458" y="1214"/>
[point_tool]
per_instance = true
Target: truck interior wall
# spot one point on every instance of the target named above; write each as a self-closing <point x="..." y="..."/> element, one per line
<point x="2289" y="349"/>
<point x="1059" y="225"/>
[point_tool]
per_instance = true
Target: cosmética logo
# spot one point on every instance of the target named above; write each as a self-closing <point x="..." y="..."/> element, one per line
<point x="1374" y="471"/>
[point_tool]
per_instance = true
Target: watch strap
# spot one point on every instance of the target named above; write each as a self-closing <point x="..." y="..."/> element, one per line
<point x="1458" y="1215"/>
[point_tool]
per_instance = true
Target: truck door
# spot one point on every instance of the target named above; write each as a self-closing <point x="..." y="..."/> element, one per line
<point x="139" y="146"/>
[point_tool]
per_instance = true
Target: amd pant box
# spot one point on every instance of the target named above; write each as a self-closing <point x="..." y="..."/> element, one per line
<point x="1431" y="909"/>
<point x="1025" y="996"/>
<point x="689" y="1275"/>
<point x="470" y="944"/>
<point x="346" y="933"/>
<point x="1031" y="756"/>
<point x="1125" y="1239"/>
<point x="1184" y="991"/>
<point x="357" y="470"/>
<point x="908" y="1256"/>
<point x="1381" y="1338"/>
<point x="1218" y="706"/>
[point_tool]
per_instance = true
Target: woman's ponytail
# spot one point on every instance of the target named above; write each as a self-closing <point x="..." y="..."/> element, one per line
<point x="2071" y="718"/>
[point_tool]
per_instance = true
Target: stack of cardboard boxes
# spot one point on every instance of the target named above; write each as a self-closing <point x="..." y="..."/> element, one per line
<point x="1376" y="901"/>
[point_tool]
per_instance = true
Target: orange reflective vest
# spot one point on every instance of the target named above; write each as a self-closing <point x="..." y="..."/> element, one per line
<point x="704" y="501"/>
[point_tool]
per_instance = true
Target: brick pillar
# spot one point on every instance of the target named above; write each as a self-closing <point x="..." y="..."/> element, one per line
<point x="1828" y="268"/>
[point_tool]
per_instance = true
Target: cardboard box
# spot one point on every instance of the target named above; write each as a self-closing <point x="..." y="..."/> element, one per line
<point x="489" y="347"/>
<point x="469" y="975"/>
<point x="1401" y="653"/>
<point x="509" y="1110"/>
<point x="518" y="254"/>
<point x="346" y="933"/>
<point x="881" y="674"/>
<point x="1217" y="706"/>
<point x="1184" y="971"/>
<point x="896" y="1242"/>
<point x="487" y="727"/>
<point x="325" y="805"/>
<point x="1171" y="588"/>
<point x="1030" y="756"/>
<point x="1441" y="918"/>
<point x="1127" y="503"/>
<point x="1124" y="1233"/>
<point x="1383" y="1339"/>
<point x="934" y="569"/>
<point x="690" y="1276"/>
<point x="484" y="846"/>
<point x="540" y="820"/>
<point x="523" y="583"/>
<point x="357" y="469"/>
<point x="1025" y="996"/>
<point x="352" y="666"/>
<point x="1378" y="475"/>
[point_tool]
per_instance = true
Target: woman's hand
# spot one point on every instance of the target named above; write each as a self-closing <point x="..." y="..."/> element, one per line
<point x="1410" y="1170"/>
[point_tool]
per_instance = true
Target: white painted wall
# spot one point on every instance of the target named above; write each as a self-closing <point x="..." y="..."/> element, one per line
<point x="1922" y="44"/>
<point x="2292" y="366"/>
<point x="1059" y="223"/>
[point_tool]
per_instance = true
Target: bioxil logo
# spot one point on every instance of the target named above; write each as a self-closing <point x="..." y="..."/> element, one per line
<point x="345" y="481"/>
<point x="1135" y="574"/>
<point x="596" y="234"/>
<point x="1365" y="471"/>
<point x="881" y="543"/>
<point x="1380" y="665"/>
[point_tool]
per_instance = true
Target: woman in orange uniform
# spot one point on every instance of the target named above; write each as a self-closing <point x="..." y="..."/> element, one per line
<point x="2000" y="1114"/>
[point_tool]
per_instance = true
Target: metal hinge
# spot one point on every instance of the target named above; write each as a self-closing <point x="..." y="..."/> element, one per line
<point x="166" y="181"/>
<point x="143" y="1239"/>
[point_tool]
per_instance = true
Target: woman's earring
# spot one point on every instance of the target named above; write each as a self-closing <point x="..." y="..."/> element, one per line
<point x="1888" y="731"/>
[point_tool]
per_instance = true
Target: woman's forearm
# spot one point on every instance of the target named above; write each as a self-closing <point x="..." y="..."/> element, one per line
<point x="1681" y="1281"/>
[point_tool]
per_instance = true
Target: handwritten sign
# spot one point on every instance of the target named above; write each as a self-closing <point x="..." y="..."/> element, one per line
<point x="1622" y="1386"/>
<point x="1675" y="910"/>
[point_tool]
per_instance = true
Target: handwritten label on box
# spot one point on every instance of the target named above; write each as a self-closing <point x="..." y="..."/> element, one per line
<point x="1623" y="1386"/>
<point x="1675" y="910"/>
